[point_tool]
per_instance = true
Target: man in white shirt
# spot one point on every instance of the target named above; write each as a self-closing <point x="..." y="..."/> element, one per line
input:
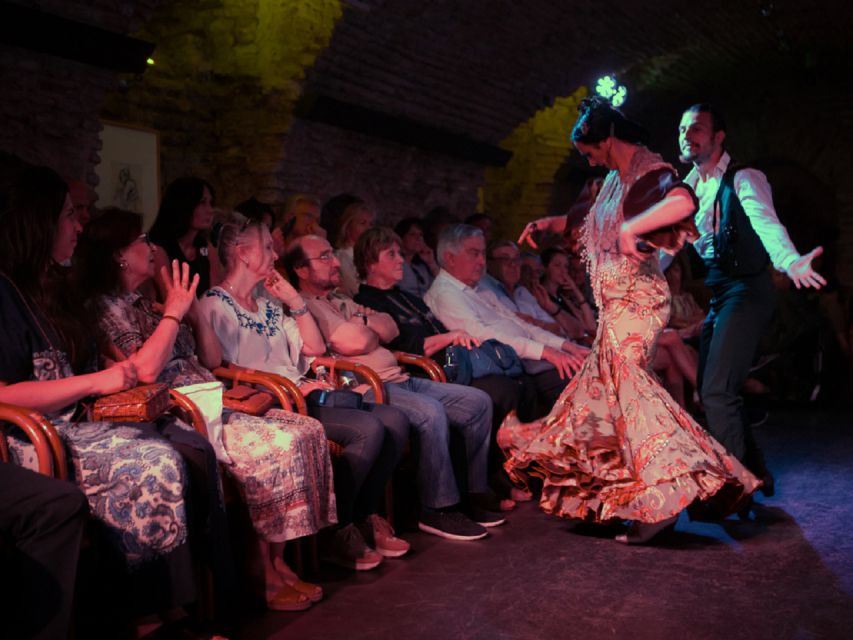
<point x="433" y="408"/>
<point x="504" y="279"/>
<point x="740" y="235"/>
<point x="455" y="300"/>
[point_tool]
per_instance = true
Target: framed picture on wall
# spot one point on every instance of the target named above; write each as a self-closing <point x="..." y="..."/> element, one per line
<point x="129" y="170"/>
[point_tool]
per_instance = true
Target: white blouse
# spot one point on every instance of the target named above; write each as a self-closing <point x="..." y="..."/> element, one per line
<point x="267" y="340"/>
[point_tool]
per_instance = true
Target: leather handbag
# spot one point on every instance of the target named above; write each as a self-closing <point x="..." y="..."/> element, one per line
<point x="246" y="399"/>
<point x="140" y="404"/>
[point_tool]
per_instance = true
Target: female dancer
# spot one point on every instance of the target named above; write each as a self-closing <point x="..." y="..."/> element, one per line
<point x="615" y="445"/>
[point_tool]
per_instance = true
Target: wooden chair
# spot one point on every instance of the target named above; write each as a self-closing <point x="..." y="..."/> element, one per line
<point x="40" y="433"/>
<point x="432" y="369"/>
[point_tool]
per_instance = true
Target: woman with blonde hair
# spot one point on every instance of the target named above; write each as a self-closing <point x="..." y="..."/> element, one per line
<point x="280" y="461"/>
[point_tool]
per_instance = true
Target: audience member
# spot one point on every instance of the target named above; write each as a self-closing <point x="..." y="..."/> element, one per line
<point x="455" y="300"/>
<point x="353" y="221"/>
<point x="419" y="265"/>
<point x="379" y="260"/>
<point x="256" y="332"/>
<point x="434" y="223"/>
<point x="82" y="201"/>
<point x="504" y="280"/>
<point x="43" y="519"/>
<point x="46" y="339"/>
<point x="301" y="218"/>
<point x="280" y="461"/>
<point x="484" y="222"/>
<point x="182" y="225"/>
<point x="432" y="408"/>
<point x="578" y="318"/>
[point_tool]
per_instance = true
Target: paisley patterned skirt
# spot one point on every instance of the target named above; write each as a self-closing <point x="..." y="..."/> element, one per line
<point x="282" y="465"/>
<point x="616" y="445"/>
<point x="133" y="479"/>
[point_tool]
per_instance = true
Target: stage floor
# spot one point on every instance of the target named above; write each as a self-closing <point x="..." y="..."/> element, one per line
<point x="786" y="574"/>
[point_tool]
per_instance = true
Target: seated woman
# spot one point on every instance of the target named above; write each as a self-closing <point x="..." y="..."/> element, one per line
<point x="182" y="227"/>
<point x="280" y="461"/>
<point x="255" y="331"/>
<point x="379" y="260"/>
<point x="419" y="266"/>
<point x="133" y="478"/>
<point x="561" y="290"/>
<point x="355" y="219"/>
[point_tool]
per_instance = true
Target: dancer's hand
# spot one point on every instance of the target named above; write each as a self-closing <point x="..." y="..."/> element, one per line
<point x="628" y="246"/>
<point x="801" y="273"/>
<point x="555" y="224"/>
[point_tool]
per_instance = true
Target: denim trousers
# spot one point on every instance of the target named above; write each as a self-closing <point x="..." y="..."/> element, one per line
<point x="374" y="438"/>
<point x="433" y="408"/>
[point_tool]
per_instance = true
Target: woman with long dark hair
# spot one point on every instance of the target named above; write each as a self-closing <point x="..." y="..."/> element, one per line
<point x="133" y="478"/>
<point x="616" y="446"/>
<point x="182" y="226"/>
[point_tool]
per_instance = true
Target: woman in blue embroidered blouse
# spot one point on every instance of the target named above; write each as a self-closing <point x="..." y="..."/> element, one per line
<point x="280" y="461"/>
<point x="255" y="332"/>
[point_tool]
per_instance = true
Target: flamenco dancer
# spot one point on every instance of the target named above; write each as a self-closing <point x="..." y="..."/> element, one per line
<point x="616" y="446"/>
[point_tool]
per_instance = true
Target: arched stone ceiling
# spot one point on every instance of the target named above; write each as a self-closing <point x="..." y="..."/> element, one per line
<point x="480" y="68"/>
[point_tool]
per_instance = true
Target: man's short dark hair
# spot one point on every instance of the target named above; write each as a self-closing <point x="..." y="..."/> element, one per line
<point x="718" y="122"/>
<point x="294" y="258"/>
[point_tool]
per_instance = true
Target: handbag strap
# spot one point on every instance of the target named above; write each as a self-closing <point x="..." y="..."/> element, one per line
<point x="401" y="301"/>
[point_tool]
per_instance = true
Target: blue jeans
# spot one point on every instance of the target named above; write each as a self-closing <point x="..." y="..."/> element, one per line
<point x="433" y="408"/>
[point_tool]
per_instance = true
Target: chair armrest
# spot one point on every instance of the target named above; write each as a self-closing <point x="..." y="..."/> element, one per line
<point x="237" y="375"/>
<point x="361" y="371"/>
<point x="430" y="366"/>
<point x="49" y="452"/>
<point x="188" y="411"/>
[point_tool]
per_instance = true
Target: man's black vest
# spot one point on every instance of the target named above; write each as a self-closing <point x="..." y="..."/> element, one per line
<point x="738" y="250"/>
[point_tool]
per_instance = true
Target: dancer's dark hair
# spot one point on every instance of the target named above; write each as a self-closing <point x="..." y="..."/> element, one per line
<point x="598" y="120"/>
<point x="718" y="121"/>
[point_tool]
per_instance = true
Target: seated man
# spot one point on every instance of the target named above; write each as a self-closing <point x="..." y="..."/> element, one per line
<point x="301" y="218"/>
<point x="380" y="263"/>
<point x="504" y="280"/>
<point x="356" y="333"/>
<point x="44" y="520"/>
<point x="455" y="300"/>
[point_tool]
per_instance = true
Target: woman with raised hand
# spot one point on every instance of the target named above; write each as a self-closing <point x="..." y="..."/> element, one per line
<point x="616" y="446"/>
<point x="280" y="461"/>
<point x="134" y="479"/>
<point x="273" y="331"/>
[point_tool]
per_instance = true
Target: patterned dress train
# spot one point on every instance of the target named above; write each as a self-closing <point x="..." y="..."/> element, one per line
<point x="616" y="445"/>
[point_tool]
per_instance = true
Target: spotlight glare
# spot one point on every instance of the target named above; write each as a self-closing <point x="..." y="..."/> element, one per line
<point x="150" y="61"/>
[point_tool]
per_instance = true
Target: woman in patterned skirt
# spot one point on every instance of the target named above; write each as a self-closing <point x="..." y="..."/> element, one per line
<point x="133" y="477"/>
<point x="280" y="461"/>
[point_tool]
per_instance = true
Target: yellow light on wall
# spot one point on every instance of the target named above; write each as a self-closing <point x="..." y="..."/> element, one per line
<point x="150" y="61"/>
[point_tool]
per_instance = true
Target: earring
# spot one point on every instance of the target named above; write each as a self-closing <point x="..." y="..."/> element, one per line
<point x="122" y="264"/>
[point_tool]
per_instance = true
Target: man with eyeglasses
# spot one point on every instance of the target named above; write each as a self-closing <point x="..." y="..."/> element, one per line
<point x="456" y="300"/>
<point x="504" y="280"/>
<point x="433" y="408"/>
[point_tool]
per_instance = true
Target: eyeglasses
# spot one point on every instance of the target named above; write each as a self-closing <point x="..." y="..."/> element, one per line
<point x="507" y="260"/>
<point x="326" y="256"/>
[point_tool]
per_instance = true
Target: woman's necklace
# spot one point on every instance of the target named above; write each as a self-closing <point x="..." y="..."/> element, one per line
<point x="243" y="301"/>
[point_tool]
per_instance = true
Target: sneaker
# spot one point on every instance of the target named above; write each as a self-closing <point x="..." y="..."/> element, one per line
<point x="484" y="517"/>
<point x="379" y="533"/>
<point x="347" y="548"/>
<point x="452" y="525"/>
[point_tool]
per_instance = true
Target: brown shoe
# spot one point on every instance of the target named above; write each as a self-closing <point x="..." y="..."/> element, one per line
<point x="287" y="599"/>
<point x="379" y="534"/>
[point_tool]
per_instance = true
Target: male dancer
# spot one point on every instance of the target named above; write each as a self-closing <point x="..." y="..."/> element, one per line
<point x="740" y="235"/>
